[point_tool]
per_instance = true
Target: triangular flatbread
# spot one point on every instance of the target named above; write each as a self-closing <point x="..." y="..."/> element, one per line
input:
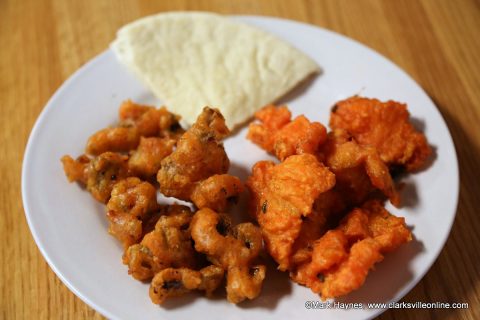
<point x="191" y="60"/>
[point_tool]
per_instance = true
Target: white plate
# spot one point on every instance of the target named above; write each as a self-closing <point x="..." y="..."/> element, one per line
<point x="70" y="228"/>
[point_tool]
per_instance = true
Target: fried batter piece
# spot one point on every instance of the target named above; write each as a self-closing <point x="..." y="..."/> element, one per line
<point x="169" y="245"/>
<point x="99" y="174"/>
<point x="171" y="282"/>
<point x="283" y="137"/>
<point x="76" y="169"/>
<point x="217" y="192"/>
<point x="146" y="160"/>
<point x="200" y="155"/>
<point x="135" y="121"/>
<point x="282" y="196"/>
<point x="358" y="169"/>
<point x="233" y="249"/>
<point x="132" y="203"/>
<point x="359" y="172"/>
<point x="385" y="126"/>
<point x="327" y="209"/>
<point x="116" y="139"/>
<point x="342" y="258"/>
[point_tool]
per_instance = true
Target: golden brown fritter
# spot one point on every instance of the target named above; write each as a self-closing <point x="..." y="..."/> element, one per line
<point x="135" y="121"/>
<point x="175" y="282"/>
<point x="145" y="161"/>
<point x="282" y="195"/>
<point x="386" y="127"/>
<point x="199" y="156"/>
<point x="99" y="174"/>
<point x="116" y="139"/>
<point x="169" y="245"/>
<point x="283" y="137"/>
<point x="76" y="169"/>
<point x="132" y="202"/>
<point x="217" y="192"/>
<point x="233" y="249"/>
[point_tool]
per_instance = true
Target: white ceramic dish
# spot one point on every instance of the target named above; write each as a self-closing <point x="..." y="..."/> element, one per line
<point x="69" y="227"/>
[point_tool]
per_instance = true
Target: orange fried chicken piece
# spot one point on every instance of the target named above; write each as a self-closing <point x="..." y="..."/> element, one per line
<point x="358" y="169"/>
<point x="384" y="126"/>
<point x="282" y="195"/>
<point x="279" y="135"/>
<point x="359" y="173"/>
<point x="342" y="258"/>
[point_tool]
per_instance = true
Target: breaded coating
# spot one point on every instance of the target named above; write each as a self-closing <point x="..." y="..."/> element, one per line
<point x="199" y="155"/>
<point x="233" y="249"/>
<point x="135" y="121"/>
<point x="282" y="137"/>
<point x="385" y="126"/>
<point x="217" y="192"/>
<point x="132" y="202"/>
<point x="149" y="121"/>
<point x="76" y="169"/>
<point x="146" y="160"/>
<point x="327" y="208"/>
<point x="282" y="196"/>
<point x="99" y="174"/>
<point x="116" y="139"/>
<point x="358" y="169"/>
<point x="169" y="245"/>
<point x="342" y="258"/>
<point x="272" y="119"/>
<point x="173" y="282"/>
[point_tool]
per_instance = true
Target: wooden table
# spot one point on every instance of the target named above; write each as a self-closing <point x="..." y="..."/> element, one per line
<point x="43" y="42"/>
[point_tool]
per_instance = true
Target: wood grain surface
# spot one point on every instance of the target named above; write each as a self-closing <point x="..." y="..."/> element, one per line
<point x="42" y="43"/>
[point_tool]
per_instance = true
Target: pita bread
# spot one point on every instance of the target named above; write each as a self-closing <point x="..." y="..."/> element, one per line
<point x="192" y="60"/>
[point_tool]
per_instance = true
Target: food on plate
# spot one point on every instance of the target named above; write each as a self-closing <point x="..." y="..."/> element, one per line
<point x="283" y="137"/>
<point x="135" y="121"/>
<point x="386" y="126"/>
<point x="234" y="249"/>
<point x="99" y="174"/>
<point x="192" y="60"/>
<point x="161" y="243"/>
<point x="342" y="257"/>
<point x="282" y="196"/>
<point x="135" y="147"/>
<point x="145" y="161"/>
<point x="217" y="192"/>
<point x="331" y="240"/>
<point x="132" y="204"/>
<point x="168" y="245"/>
<point x="358" y="169"/>
<point x="320" y="210"/>
<point x="199" y="156"/>
<point x="173" y="282"/>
